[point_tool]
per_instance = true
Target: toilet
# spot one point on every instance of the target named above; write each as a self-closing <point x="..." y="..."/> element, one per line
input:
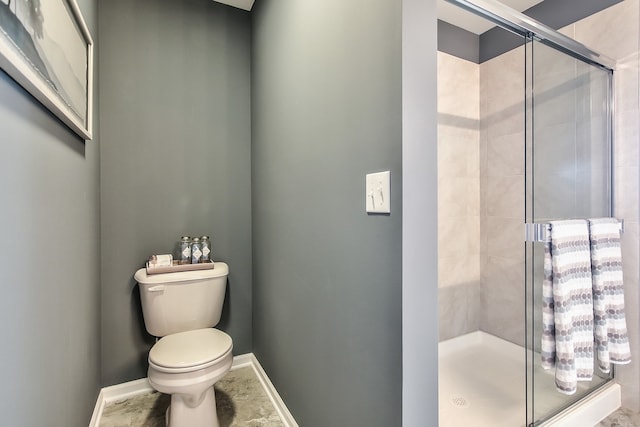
<point x="190" y="357"/>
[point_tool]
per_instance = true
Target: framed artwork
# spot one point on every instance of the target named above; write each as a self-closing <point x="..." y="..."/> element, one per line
<point x="46" y="47"/>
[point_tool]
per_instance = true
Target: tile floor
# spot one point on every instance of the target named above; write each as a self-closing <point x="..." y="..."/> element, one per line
<point x="240" y="399"/>
<point x="621" y="418"/>
<point x="243" y="402"/>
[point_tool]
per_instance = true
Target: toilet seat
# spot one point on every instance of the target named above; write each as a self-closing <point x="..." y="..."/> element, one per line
<point x="190" y="351"/>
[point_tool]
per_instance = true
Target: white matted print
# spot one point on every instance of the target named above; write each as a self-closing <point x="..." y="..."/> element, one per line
<point x="46" y="47"/>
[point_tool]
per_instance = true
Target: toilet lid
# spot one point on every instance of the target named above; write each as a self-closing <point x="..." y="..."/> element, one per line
<point x="191" y="348"/>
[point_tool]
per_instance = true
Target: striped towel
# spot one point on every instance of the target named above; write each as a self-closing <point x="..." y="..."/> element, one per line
<point x="567" y="339"/>
<point x="610" y="328"/>
<point x="548" y="348"/>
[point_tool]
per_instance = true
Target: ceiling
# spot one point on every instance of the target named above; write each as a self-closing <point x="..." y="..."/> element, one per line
<point x="446" y="12"/>
<point x="461" y="18"/>
<point x="240" y="4"/>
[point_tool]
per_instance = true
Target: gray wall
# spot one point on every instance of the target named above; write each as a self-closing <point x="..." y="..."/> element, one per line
<point x="175" y="115"/>
<point x="419" y="214"/>
<point x="49" y="222"/>
<point x="326" y="110"/>
<point x="458" y="42"/>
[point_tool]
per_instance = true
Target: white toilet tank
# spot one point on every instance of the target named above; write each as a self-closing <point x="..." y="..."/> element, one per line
<point x="182" y="301"/>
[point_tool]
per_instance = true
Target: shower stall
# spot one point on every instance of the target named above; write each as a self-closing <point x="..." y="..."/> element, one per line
<point x="524" y="137"/>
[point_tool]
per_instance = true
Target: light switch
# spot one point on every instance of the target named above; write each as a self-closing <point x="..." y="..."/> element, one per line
<point x="378" y="194"/>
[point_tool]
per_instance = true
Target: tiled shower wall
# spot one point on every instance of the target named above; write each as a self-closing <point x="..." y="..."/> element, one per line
<point x="490" y="297"/>
<point x="481" y="202"/>
<point x="458" y="196"/>
<point x="502" y="195"/>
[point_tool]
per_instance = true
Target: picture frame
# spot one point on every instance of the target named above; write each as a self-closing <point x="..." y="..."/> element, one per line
<point x="46" y="47"/>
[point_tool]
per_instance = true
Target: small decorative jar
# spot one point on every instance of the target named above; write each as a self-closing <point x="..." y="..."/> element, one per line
<point x="196" y="251"/>
<point x="206" y="248"/>
<point x="185" y="250"/>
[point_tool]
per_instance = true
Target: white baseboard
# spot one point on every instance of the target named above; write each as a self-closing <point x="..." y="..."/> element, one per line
<point x="116" y="393"/>
<point x="129" y="389"/>
<point x="242" y="361"/>
<point x="97" y="411"/>
<point x="278" y="403"/>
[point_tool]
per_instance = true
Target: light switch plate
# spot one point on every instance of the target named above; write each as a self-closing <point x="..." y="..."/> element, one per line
<point x="378" y="192"/>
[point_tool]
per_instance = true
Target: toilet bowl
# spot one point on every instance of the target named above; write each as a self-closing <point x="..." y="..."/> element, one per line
<point x="186" y="365"/>
<point x="191" y="356"/>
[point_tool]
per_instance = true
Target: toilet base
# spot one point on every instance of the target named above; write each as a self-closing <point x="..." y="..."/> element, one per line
<point x="181" y="413"/>
<point x="193" y="399"/>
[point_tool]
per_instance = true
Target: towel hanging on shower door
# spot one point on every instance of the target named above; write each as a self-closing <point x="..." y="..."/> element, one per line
<point x="610" y="327"/>
<point x="567" y="336"/>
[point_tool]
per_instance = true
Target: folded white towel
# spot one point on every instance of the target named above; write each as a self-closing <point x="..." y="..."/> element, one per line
<point x="610" y="327"/>
<point x="161" y="260"/>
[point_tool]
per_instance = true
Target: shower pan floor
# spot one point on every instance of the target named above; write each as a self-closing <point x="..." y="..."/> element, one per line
<point x="482" y="383"/>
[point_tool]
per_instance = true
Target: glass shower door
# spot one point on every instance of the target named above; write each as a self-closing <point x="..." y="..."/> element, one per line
<point x="568" y="175"/>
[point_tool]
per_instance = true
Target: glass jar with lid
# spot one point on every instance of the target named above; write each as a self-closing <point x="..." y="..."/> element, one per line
<point x="185" y="250"/>
<point x="196" y="251"/>
<point x="205" y="243"/>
